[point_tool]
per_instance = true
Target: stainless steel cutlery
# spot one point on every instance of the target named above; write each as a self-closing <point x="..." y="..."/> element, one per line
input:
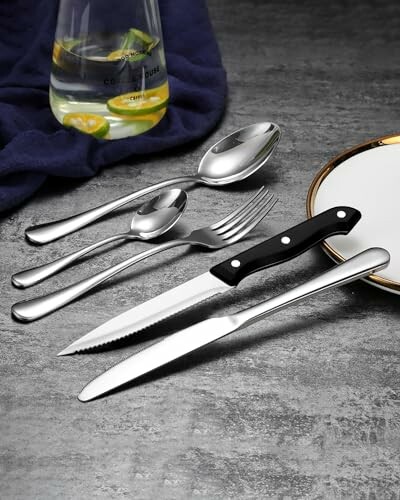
<point x="152" y="219"/>
<point x="232" y="159"/>
<point x="227" y="231"/>
<point x="222" y="277"/>
<point x="205" y="332"/>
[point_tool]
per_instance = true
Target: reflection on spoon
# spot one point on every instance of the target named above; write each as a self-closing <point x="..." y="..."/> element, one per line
<point x="232" y="159"/>
<point x="153" y="219"/>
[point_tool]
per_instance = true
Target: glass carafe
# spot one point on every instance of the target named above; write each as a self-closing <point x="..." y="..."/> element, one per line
<point x="109" y="77"/>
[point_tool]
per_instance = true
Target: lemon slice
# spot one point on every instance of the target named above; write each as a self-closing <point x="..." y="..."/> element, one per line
<point x="140" y="103"/>
<point x="87" y="123"/>
<point x="63" y="45"/>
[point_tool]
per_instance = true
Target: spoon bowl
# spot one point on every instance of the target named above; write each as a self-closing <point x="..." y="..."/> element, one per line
<point x="153" y="218"/>
<point x="232" y="159"/>
<point x="158" y="215"/>
<point x="239" y="155"/>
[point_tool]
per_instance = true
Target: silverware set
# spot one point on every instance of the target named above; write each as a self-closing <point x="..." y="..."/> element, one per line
<point x="153" y="219"/>
<point x="230" y="160"/>
<point x="190" y="339"/>
<point x="221" y="234"/>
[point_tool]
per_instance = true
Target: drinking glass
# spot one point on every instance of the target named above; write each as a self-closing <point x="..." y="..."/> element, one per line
<point x="109" y="76"/>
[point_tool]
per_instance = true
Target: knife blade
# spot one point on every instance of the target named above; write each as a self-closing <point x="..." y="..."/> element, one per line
<point x="222" y="277"/>
<point x="210" y="330"/>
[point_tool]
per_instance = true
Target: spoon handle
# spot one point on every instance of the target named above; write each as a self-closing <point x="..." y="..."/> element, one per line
<point x="30" y="310"/>
<point x="29" y="277"/>
<point x="44" y="233"/>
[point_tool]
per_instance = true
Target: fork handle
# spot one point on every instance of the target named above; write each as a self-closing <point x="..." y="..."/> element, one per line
<point x="287" y="245"/>
<point x="29" y="277"/>
<point x="44" y="233"/>
<point x="30" y="310"/>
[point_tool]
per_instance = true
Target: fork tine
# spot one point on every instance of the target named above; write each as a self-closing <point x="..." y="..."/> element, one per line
<point x="254" y="223"/>
<point x="251" y="216"/>
<point x="244" y="215"/>
<point x="238" y="210"/>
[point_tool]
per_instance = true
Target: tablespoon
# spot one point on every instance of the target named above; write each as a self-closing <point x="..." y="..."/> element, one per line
<point x="232" y="159"/>
<point x="153" y="219"/>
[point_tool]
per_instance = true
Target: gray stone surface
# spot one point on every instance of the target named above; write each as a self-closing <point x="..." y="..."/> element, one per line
<point x="304" y="404"/>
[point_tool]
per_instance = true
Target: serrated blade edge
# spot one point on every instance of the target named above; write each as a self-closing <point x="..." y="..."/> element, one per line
<point x="151" y="312"/>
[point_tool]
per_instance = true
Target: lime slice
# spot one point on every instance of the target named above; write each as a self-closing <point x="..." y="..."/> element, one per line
<point x="141" y="35"/>
<point x="140" y="103"/>
<point x="135" y="46"/>
<point x="87" y="123"/>
<point x="127" y="54"/>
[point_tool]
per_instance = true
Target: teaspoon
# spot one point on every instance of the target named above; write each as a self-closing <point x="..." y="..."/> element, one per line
<point x="232" y="159"/>
<point x="152" y="219"/>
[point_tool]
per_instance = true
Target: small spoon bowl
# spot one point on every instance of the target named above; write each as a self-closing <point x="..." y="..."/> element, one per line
<point x="152" y="219"/>
<point x="158" y="215"/>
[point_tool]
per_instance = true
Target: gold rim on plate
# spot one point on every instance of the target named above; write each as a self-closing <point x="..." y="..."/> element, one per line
<point x="319" y="178"/>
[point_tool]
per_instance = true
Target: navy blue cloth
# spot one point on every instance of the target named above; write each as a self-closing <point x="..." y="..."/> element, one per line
<point x="33" y="145"/>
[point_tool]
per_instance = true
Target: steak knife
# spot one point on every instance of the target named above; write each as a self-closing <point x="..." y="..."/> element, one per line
<point x="210" y="330"/>
<point x="222" y="277"/>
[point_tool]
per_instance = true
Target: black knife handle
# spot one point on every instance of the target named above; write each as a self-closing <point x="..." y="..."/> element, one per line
<point x="287" y="245"/>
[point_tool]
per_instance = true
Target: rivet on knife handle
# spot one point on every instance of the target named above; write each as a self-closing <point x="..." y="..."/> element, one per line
<point x="287" y="245"/>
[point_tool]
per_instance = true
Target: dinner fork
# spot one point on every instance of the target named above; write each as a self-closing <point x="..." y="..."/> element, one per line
<point x="226" y="232"/>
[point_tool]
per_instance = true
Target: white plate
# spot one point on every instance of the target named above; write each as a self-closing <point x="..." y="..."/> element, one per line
<point x="367" y="178"/>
